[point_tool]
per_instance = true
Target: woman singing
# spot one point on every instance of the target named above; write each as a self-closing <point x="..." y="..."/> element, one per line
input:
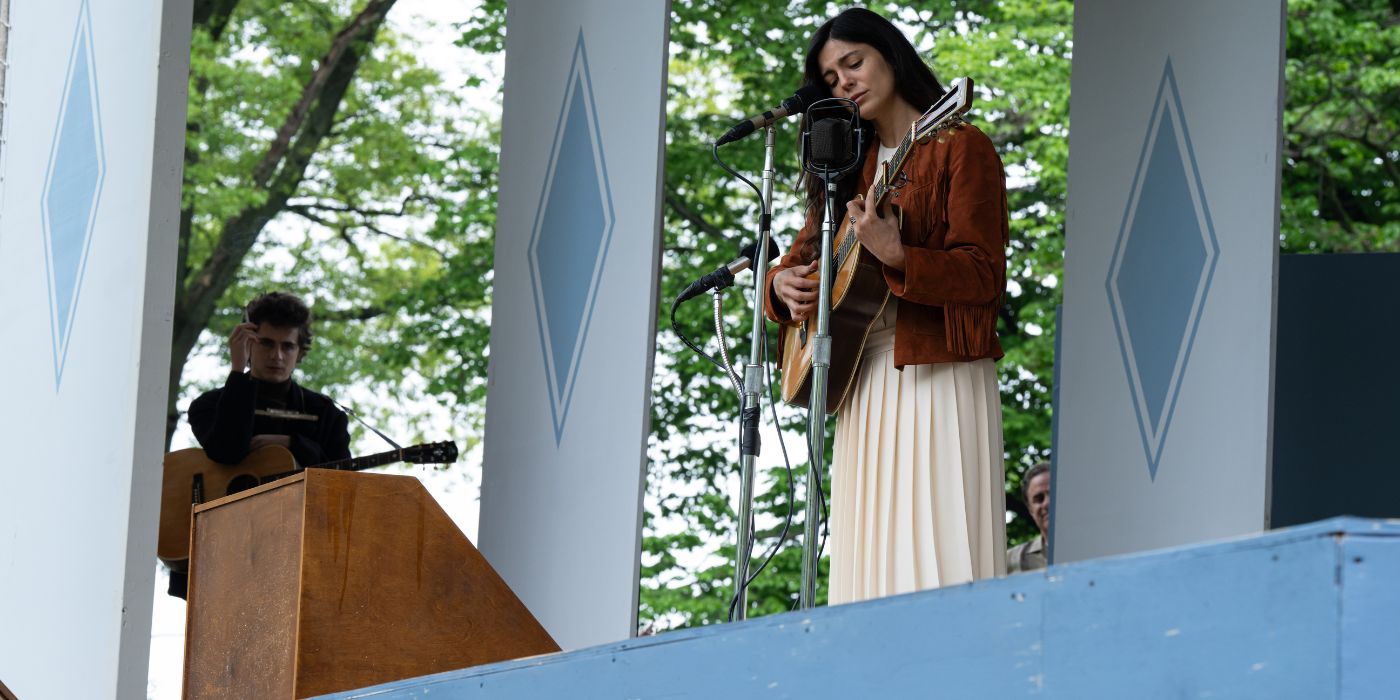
<point x="918" y="498"/>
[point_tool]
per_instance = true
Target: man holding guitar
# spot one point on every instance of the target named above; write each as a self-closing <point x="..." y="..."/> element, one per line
<point x="261" y="427"/>
<point x="259" y="406"/>
<point x="917" y="469"/>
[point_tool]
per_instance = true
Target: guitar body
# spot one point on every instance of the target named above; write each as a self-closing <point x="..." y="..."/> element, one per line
<point x="858" y="295"/>
<point x="184" y="468"/>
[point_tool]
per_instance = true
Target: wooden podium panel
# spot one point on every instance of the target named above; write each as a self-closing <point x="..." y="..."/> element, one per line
<point x="241" y="632"/>
<point x="329" y="581"/>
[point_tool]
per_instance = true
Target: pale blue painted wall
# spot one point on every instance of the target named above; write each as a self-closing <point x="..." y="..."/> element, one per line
<point x="1304" y="613"/>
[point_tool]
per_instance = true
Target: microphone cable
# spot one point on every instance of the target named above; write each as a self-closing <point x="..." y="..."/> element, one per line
<point x="765" y="224"/>
<point x="724" y="346"/>
<point x="675" y="325"/>
<point x="791" y="497"/>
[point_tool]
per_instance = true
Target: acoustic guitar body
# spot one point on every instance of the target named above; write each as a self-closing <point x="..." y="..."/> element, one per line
<point x="184" y="469"/>
<point x="858" y="295"/>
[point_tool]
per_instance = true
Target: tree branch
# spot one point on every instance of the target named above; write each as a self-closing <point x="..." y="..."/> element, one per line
<point x="364" y="211"/>
<point x="341" y="315"/>
<point x="363" y="26"/>
<point x="214" y="16"/>
<point x="307" y="211"/>
<point x="1330" y="190"/>
<point x="678" y="205"/>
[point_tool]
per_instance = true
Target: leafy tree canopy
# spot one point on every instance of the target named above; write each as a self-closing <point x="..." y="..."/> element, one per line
<point x="322" y="157"/>
<point x="1341" y="175"/>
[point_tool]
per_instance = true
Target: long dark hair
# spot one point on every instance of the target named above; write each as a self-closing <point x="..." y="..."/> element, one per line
<point x="913" y="79"/>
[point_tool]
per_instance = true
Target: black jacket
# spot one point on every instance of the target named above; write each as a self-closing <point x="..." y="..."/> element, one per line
<point x="224" y="422"/>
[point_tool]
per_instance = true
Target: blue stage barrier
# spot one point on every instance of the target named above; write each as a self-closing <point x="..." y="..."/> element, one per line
<point x="1308" y="612"/>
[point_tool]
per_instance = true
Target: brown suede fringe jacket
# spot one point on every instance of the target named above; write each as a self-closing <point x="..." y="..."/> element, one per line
<point x="955" y="235"/>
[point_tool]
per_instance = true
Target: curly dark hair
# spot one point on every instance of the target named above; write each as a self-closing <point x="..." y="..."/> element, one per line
<point x="284" y="311"/>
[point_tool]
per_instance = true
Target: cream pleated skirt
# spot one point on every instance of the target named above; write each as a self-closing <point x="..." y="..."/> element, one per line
<point x="917" y="484"/>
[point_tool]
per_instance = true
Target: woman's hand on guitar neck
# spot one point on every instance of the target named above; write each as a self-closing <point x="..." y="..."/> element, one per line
<point x="794" y="289"/>
<point x="878" y="233"/>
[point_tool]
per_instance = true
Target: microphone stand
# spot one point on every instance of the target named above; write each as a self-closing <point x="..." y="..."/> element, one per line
<point x="816" y="403"/>
<point x="821" y="364"/>
<point x="753" y="385"/>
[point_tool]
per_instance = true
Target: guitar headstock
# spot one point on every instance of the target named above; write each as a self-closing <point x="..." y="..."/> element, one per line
<point x="953" y="104"/>
<point x="431" y="453"/>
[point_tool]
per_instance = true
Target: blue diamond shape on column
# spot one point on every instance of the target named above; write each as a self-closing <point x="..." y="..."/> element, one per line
<point x="569" y="244"/>
<point x="1162" y="268"/>
<point x="72" y="188"/>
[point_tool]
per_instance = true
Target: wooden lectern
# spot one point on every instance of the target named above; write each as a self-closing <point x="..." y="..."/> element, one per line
<point x="329" y="581"/>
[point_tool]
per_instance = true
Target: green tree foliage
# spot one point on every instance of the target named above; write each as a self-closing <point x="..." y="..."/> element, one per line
<point x="323" y="158"/>
<point x="1341" y="175"/>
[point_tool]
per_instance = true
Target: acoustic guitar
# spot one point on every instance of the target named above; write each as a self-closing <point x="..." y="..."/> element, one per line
<point x="858" y="289"/>
<point x="191" y="478"/>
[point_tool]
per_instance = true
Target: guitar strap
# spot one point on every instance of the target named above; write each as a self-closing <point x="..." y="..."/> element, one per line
<point x="350" y="412"/>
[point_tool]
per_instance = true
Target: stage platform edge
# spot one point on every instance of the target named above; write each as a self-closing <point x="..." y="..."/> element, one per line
<point x="1306" y="612"/>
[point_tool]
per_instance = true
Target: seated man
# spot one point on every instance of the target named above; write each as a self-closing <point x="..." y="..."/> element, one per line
<point x="260" y="405"/>
<point x="1035" y="488"/>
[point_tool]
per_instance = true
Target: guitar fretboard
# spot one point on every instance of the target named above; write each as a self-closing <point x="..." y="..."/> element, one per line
<point x="355" y="464"/>
<point x="942" y="115"/>
<point x="347" y="465"/>
<point x="882" y="190"/>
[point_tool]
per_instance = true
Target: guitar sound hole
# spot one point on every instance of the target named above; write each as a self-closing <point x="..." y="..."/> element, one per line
<point x="242" y="482"/>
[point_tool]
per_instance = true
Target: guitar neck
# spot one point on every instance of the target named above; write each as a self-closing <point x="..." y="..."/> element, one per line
<point x="355" y="464"/>
<point x="894" y="168"/>
<point x="882" y="189"/>
<point x="943" y="114"/>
